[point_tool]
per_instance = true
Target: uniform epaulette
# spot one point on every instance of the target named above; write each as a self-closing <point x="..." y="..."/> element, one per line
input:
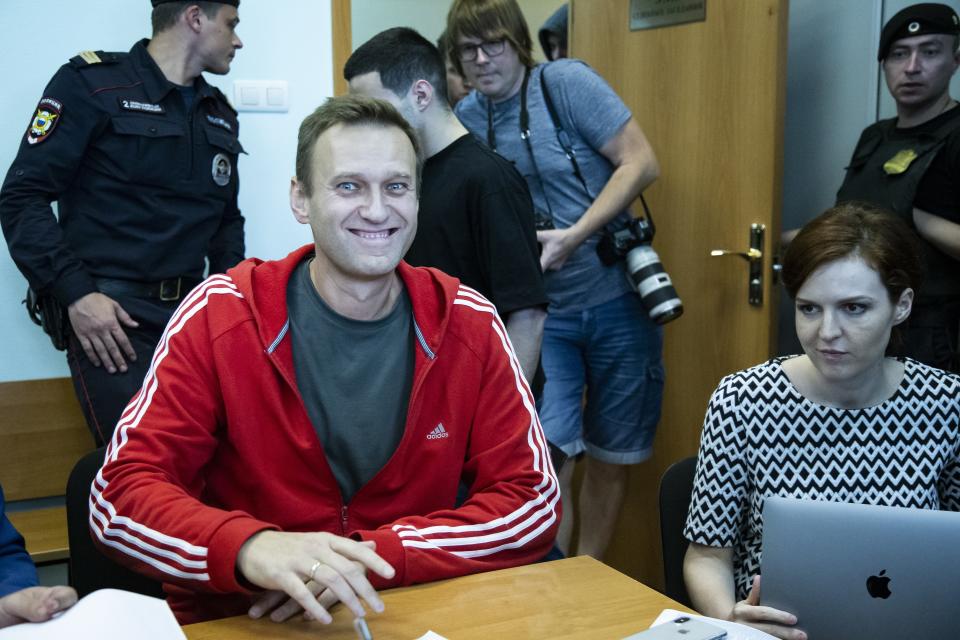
<point x="224" y="99"/>
<point x="87" y="58"/>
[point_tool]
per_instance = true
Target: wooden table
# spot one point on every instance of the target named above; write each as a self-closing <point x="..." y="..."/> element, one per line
<point x="573" y="598"/>
<point x="45" y="533"/>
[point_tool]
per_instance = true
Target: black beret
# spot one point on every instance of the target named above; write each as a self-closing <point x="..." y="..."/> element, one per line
<point x="918" y="20"/>
<point x="235" y="3"/>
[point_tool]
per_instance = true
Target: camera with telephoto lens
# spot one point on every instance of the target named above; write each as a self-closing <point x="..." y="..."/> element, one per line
<point x="644" y="270"/>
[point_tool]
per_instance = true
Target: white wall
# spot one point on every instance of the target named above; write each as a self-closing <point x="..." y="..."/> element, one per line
<point x="291" y="44"/>
<point x="370" y="17"/>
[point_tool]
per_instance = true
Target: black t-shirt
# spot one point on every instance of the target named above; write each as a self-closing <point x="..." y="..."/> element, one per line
<point x="476" y="223"/>
<point x="354" y="377"/>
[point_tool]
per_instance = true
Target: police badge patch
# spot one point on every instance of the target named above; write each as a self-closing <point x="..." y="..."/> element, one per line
<point x="44" y="121"/>
<point x="221" y="170"/>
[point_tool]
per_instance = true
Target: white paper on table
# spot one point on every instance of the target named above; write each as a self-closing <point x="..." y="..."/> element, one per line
<point x="735" y="631"/>
<point x="107" y="614"/>
<point x="431" y="635"/>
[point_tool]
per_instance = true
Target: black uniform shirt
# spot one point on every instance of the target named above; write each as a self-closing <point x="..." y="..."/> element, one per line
<point x="146" y="189"/>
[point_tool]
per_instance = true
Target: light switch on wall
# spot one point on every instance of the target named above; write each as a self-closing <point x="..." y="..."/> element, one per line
<point x="249" y="97"/>
<point x="261" y="95"/>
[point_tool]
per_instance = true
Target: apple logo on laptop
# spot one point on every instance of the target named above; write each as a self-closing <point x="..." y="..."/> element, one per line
<point x="879" y="586"/>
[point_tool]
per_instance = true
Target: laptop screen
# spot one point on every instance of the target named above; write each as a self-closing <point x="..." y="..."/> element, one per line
<point x="850" y="571"/>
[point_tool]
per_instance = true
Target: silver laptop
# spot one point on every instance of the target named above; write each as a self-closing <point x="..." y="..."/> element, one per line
<point x="852" y="572"/>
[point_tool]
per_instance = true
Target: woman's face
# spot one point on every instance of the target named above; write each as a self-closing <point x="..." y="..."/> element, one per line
<point x="844" y="316"/>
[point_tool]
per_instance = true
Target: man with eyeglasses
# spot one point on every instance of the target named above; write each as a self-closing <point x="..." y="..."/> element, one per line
<point x="910" y="164"/>
<point x="597" y="333"/>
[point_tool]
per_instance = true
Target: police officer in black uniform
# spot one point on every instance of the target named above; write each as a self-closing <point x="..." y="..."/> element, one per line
<point x="910" y="164"/>
<point x="140" y="154"/>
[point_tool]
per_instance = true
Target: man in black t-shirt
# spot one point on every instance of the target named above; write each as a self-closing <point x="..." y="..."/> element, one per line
<point x="476" y="216"/>
<point x="911" y="165"/>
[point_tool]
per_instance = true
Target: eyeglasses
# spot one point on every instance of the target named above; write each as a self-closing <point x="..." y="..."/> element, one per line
<point x="468" y="52"/>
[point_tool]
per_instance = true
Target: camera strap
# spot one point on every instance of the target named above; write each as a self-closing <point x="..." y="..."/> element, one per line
<point x="563" y="138"/>
<point x="524" y="134"/>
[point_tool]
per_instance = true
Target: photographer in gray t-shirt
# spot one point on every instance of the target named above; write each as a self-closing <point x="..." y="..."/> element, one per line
<point x="597" y="334"/>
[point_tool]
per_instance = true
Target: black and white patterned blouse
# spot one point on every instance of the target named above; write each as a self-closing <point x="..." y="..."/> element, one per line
<point x="761" y="438"/>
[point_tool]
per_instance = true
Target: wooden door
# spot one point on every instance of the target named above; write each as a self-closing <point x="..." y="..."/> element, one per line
<point x="710" y="97"/>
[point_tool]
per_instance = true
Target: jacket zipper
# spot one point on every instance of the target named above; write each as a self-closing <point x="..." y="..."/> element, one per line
<point x="414" y="393"/>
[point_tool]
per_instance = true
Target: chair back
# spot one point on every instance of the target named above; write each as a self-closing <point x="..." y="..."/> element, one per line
<point x="89" y="569"/>
<point x="676" y="485"/>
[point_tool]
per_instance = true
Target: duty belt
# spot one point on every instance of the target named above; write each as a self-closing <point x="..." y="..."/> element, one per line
<point x="169" y="290"/>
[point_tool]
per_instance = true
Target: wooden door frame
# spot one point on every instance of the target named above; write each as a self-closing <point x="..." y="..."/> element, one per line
<point x="340" y="12"/>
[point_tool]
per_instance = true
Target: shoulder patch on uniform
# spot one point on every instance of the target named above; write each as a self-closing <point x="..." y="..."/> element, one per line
<point x="45" y="120"/>
<point x="87" y="58"/>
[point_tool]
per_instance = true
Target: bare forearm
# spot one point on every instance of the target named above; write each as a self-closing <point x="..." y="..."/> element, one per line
<point x="939" y="232"/>
<point x="709" y="578"/>
<point x="708" y="572"/>
<point x="636" y="168"/>
<point x="624" y="186"/>
<point x="525" y="328"/>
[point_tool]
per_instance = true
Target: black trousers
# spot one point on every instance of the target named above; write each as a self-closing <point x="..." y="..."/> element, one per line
<point x="103" y="396"/>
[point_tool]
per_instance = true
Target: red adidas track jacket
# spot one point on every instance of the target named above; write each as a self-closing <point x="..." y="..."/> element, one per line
<point x="217" y="446"/>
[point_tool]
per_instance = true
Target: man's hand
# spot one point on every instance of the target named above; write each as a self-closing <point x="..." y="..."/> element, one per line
<point x="557" y="245"/>
<point x="773" y="621"/>
<point x="96" y="321"/>
<point x="270" y="602"/>
<point x="285" y="561"/>
<point x="35" y="604"/>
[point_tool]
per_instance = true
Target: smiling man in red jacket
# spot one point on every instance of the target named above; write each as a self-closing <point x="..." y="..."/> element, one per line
<point x="305" y="423"/>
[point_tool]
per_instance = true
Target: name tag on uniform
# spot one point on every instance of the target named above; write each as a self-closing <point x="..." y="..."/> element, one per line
<point x="900" y="162"/>
<point x="219" y="122"/>
<point x="143" y="107"/>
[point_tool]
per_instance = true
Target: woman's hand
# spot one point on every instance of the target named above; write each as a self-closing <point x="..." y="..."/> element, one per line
<point x="35" y="604"/>
<point x="708" y="572"/>
<point x="769" y="620"/>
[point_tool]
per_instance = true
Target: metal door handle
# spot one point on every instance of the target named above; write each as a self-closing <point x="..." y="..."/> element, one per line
<point x="749" y="254"/>
<point x="754" y="256"/>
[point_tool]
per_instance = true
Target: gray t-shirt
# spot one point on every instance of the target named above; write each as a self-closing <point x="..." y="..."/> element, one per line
<point x="355" y="379"/>
<point x="591" y="114"/>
